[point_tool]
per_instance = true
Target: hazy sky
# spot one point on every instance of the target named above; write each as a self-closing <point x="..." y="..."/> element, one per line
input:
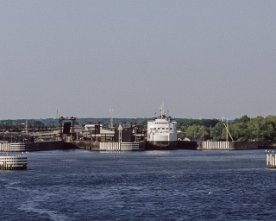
<point x="203" y="58"/>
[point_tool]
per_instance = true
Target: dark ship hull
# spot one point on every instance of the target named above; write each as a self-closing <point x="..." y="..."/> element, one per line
<point x="172" y="145"/>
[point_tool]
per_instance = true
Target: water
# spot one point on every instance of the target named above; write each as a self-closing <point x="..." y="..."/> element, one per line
<point x="172" y="185"/>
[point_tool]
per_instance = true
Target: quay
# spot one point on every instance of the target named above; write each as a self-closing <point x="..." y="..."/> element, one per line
<point x="16" y="162"/>
<point x="271" y="160"/>
<point x="133" y="137"/>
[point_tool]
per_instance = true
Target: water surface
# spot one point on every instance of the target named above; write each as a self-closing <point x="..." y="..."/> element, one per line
<point x="153" y="185"/>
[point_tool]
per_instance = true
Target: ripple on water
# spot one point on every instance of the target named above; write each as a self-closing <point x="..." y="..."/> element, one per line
<point x="174" y="185"/>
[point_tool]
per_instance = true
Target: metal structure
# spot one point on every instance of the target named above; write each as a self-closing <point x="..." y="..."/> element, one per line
<point x="62" y="121"/>
<point x="226" y="125"/>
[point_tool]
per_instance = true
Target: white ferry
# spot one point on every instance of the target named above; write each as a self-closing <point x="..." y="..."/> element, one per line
<point x="161" y="132"/>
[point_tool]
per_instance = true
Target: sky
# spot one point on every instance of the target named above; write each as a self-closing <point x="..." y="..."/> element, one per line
<point x="202" y="58"/>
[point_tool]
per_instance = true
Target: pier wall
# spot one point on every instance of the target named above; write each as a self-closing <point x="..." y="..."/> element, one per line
<point x="227" y="145"/>
<point x="110" y="146"/>
<point x="271" y="160"/>
<point x="18" y="162"/>
<point x="216" y="145"/>
<point x="12" y="147"/>
<point x="123" y="146"/>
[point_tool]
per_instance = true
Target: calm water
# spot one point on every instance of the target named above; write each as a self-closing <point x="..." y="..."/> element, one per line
<point x="173" y="185"/>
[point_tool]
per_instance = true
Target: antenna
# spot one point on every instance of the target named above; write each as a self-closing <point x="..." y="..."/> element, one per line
<point x="162" y="110"/>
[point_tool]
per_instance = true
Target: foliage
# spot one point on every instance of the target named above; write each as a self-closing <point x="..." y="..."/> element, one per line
<point x="197" y="132"/>
<point x="248" y="129"/>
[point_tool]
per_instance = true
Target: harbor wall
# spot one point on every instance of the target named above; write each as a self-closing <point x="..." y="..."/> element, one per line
<point x="95" y="145"/>
<point x="110" y="146"/>
<point x="12" y="147"/>
<point x="228" y="145"/>
<point x="123" y="146"/>
<point x="216" y="145"/>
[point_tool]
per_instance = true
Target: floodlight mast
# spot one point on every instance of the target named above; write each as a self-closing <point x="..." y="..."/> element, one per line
<point x="111" y="110"/>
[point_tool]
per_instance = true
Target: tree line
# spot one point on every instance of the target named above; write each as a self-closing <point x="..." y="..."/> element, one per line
<point x="241" y="129"/>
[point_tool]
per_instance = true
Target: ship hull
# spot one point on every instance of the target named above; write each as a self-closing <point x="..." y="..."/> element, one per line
<point x="170" y="145"/>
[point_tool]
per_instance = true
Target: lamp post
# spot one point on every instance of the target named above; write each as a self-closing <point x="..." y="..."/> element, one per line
<point x="120" y="130"/>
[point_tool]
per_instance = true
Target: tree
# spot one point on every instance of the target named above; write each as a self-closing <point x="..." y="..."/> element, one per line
<point x="196" y="132"/>
<point x="217" y="131"/>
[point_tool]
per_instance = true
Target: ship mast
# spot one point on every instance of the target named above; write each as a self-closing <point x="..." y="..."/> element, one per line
<point x="162" y="110"/>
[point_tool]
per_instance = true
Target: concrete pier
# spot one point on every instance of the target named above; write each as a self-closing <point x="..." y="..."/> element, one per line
<point x="16" y="162"/>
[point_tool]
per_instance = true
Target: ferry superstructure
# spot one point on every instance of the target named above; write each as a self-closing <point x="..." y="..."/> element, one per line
<point x="161" y="132"/>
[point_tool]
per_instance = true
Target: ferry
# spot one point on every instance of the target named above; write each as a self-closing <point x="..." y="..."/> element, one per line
<point x="161" y="132"/>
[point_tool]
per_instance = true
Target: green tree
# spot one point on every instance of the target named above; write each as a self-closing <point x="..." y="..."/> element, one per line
<point x="218" y="131"/>
<point x="196" y="132"/>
